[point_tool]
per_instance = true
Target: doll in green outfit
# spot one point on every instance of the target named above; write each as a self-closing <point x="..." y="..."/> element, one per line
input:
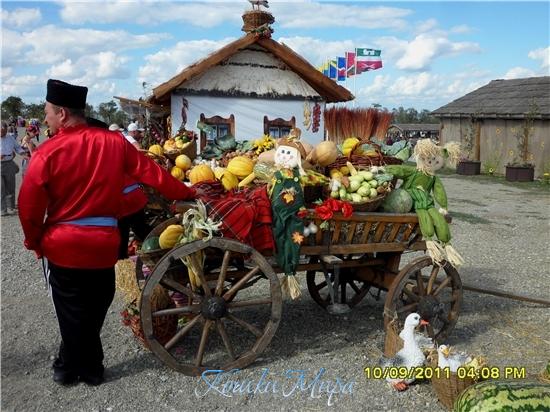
<point x="426" y="189"/>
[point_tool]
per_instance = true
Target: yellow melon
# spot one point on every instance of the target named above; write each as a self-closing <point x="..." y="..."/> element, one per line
<point x="183" y="162"/>
<point x="177" y="173"/>
<point x="240" y="166"/>
<point x="227" y="179"/>
<point x="169" y="236"/>
<point x="201" y="173"/>
<point x="156" y="149"/>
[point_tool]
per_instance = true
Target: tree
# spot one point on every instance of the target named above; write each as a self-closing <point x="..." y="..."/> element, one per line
<point x="107" y="111"/>
<point x="34" y="111"/>
<point x="12" y="107"/>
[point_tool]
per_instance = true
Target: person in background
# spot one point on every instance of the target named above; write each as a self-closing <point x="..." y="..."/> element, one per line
<point x="114" y="127"/>
<point x="28" y="144"/>
<point x="9" y="170"/>
<point x="134" y="131"/>
<point x="69" y="202"/>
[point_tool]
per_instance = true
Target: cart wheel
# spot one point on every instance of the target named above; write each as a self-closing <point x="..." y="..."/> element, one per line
<point x="351" y="289"/>
<point x="220" y="334"/>
<point x="434" y="292"/>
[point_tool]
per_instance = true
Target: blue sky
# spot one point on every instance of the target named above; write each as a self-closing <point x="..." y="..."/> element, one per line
<point x="433" y="52"/>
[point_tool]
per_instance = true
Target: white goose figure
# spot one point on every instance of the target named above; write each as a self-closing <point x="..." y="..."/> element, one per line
<point x="410" y="356"/>
<point x="448" y="358"/>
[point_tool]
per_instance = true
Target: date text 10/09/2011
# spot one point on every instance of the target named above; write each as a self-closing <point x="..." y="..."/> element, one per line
<point x="426" y="372"/>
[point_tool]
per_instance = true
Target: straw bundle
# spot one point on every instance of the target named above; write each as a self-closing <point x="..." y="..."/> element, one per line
<point x="341" y="123"/>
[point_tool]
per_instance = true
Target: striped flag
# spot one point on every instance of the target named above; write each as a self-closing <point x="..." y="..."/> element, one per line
<point x="333" y="70"/>
<point x="325" y="67"/>
<point x="350" y="64"/>
<point x="341" y="68"/>
<point x="367" y="59"/>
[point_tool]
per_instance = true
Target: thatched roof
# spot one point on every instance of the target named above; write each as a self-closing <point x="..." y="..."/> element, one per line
<point x="272" y="70"/>
<point x="503" y="99"/>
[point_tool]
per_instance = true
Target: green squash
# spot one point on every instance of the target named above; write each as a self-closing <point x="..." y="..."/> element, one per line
<point x="151" y="243"/>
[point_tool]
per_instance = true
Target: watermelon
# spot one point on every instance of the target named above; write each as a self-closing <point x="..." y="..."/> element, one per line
<point x="151" y="243"/>
<point x="397" y="201"/>
<point x="492" y="396"/>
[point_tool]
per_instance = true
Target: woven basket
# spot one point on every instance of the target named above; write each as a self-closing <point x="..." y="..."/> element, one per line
<point x="392" y="342"/>
<point x="364" y="162"/>
<point x="151" y="257"/>
<point x="255" y="18"/>
<point x="369" y="205"/>
<point x="448" y="389"/>
<point x="190" y="151"/>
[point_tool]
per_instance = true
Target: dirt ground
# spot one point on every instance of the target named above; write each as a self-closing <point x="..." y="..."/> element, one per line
<point x="502" y="230"/>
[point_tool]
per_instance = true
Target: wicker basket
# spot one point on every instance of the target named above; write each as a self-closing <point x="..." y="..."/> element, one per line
<point x="369" y="205"/>
<point x="364" y="162"/>
<point x="448" y="389"/>
<point x="392" y="342"/>
<point x="190" y="151"/>
<point x="253" y="19"/>
<point x="151" y="257"/>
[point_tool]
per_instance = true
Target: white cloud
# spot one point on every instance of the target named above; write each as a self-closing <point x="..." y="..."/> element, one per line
<point x="166" y="63"/>
<point x="419" y="53"/>
<point x="20" y="18"/>
<point x="461" y="29"/>
<point x="52" y="44"/>
<point x="519" y="73"/>
<point x="317" y="51"/>
<point x="543" y="55"/>
<point x="153" y="13"/>
<point x="425" y="26"/>
<point x="106" y="65"/>
<point x="28" y="87"/>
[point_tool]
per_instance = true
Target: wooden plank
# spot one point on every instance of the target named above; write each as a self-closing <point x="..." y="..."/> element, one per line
<point x="366" y="231"/>
<point x="336" y="233"/>
<point x="351" y="233"/>
<point x="379" y="232"/>
<point x="367" y="248"/>
<point x="394" y="231"/>
<point x="408" y="231"/>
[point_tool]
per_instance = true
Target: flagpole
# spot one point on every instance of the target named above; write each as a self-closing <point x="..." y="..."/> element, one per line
<point x="355" y="78"/>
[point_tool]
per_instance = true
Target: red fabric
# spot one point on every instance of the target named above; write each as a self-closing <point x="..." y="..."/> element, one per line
<point x="246" y="215"/>
<point x="133" y="201"/>
<point x="80" y="173"/>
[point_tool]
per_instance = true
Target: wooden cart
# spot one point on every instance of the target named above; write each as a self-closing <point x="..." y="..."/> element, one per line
<point x="228" y="324"/>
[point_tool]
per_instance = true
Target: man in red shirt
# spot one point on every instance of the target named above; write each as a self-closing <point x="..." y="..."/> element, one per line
<point x="69" y="203"/>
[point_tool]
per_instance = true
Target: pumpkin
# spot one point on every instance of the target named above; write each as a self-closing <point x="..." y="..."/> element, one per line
<point x="240" y="166"/>
<point x="156" y="149"/>
<point x="201" y="173"/>
<point x="177" y="173"/>
<point x="227" y="179"/>
<point x="169" y="236"/>
<point x="324" y="153"/>
<point x="183" y="162"/>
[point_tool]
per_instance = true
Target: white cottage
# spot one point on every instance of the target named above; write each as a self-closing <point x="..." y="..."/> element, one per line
<point x="250" y="87"/>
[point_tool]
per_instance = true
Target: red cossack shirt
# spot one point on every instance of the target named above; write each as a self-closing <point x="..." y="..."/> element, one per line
<point x="134" y="200"/>
<point x="79" y="173"/>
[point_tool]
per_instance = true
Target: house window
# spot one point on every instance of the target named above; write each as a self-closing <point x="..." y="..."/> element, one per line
<point x="217" y="127"/>
<point x="278" y="127"/>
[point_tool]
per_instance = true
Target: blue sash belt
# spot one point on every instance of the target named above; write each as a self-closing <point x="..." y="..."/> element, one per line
<point x="93" y="221"/>
<point x="130" y="188"/>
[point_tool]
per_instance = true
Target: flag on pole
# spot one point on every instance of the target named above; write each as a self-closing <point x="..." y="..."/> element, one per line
<point x="325" y="68"/>
<point x="367" y="59"/>
<point x="341" y="68"/>
<point x="350" y="64"/>
<point x="333" y="70"/>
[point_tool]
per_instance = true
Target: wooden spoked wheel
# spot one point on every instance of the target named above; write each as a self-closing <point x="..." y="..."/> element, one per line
<point x="220" y="333"/>
<point x="432" y="291"/>
<point x="351" y="290"/>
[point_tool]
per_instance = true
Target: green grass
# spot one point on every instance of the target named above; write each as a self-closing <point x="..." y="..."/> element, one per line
<point x="468" y="217"/>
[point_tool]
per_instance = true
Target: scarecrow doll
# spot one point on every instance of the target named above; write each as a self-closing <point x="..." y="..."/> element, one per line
<point x="287" y="198"/>
<point x="426" y="189"/>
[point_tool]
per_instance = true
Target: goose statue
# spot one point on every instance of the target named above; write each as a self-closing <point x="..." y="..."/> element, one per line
<point x="448" y="358"/>
<point x="410" y="356"/>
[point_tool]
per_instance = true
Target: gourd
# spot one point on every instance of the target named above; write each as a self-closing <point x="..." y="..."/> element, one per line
<point x="151" y="243"/>
<point x="492" y="396"/>
<point x="240" y="166"/>
<point x="156" y="149"/>
<point x="349" y="145"/>
<point x="227" y="179"/>
<point x="177" y="173"/>
<point x="267" y="157"/>
<point x="169" y="236"/>
<point x="324" y="153"/>
<point x="183" y="162"/>
<point x="264" y="171"/>
<point x="201" y="173"/>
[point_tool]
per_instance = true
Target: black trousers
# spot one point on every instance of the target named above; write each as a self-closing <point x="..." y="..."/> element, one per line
<point x="81" y="298"/>
<point x="137" y="222"/>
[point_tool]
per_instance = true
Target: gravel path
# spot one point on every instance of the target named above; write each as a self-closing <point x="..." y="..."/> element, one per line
<point x="503" y="234"/>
